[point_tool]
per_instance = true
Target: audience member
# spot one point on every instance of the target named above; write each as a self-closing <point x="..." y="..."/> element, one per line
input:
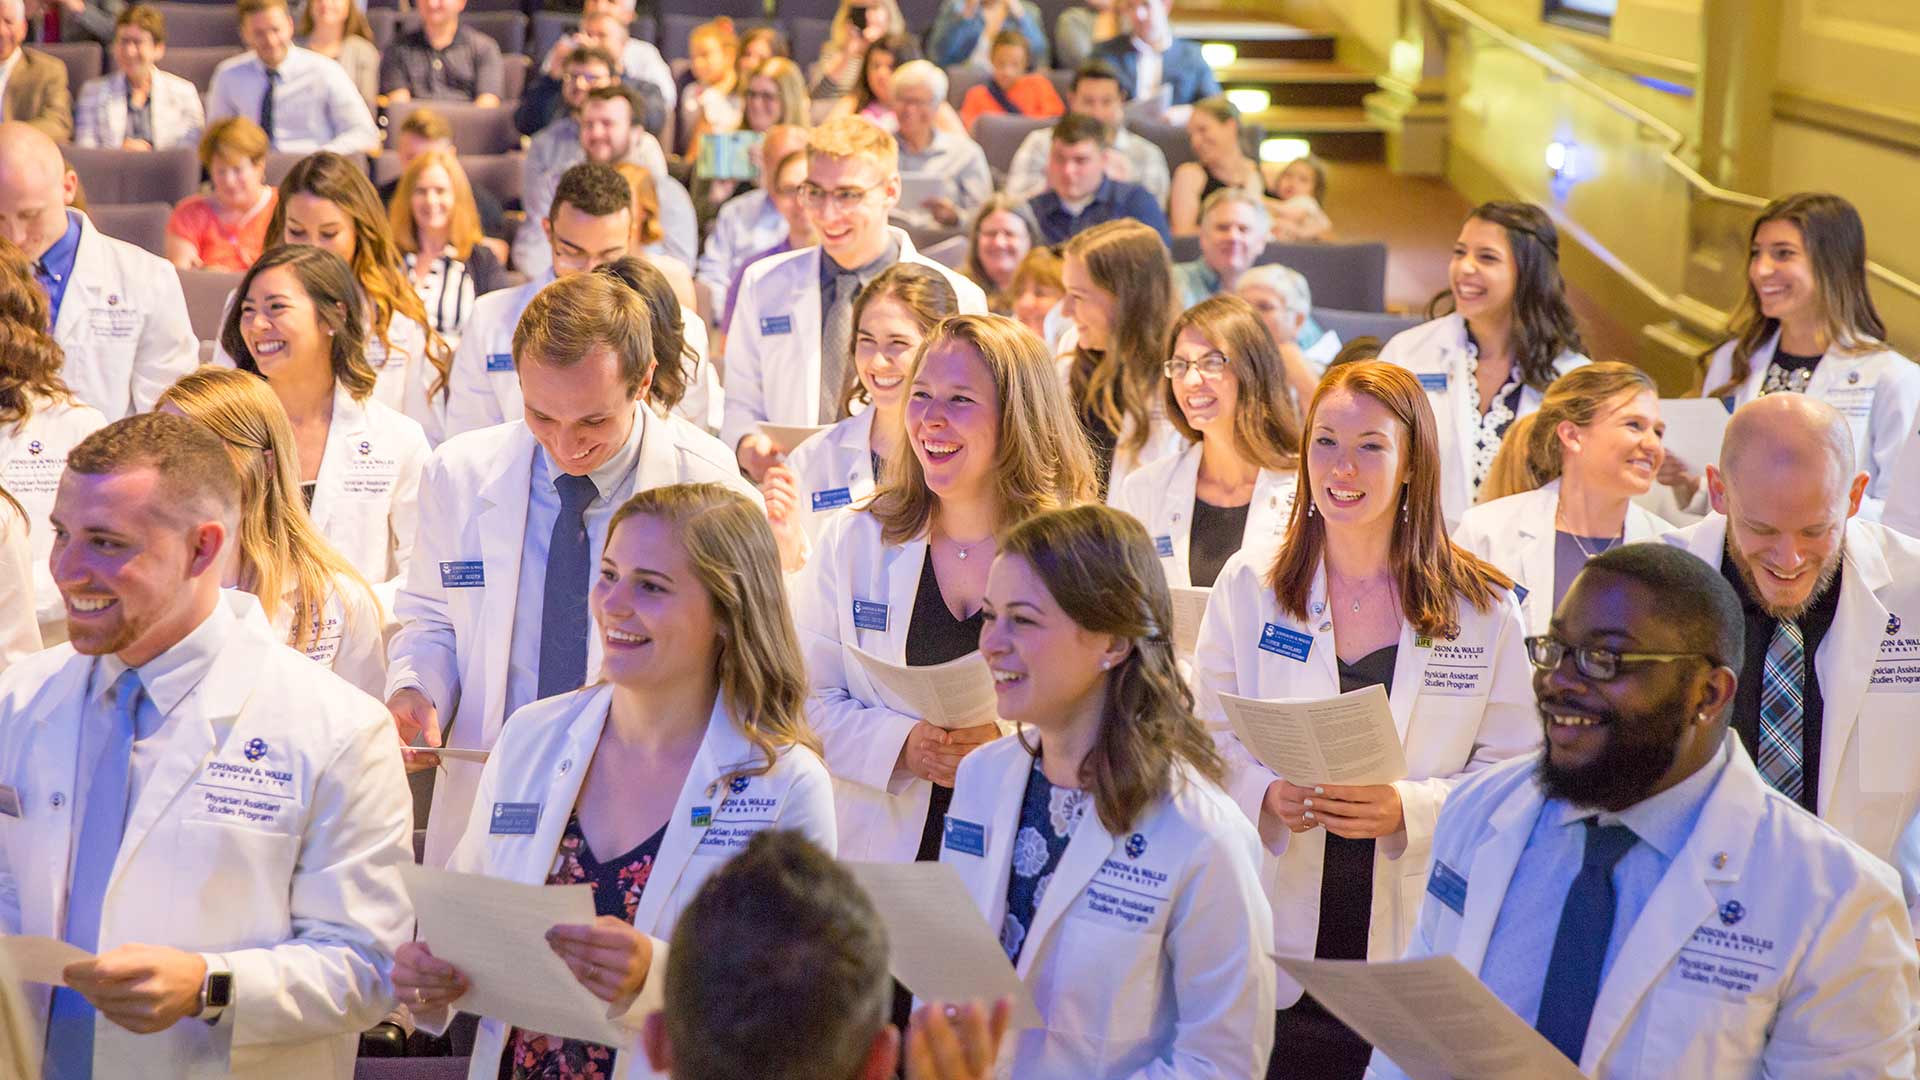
<point x="640" y="60"/>
<point x="426" y="129"/>
<point x="302" y="100"/>
<point x="124" y="329"/>
<point x="1285" y="304"/>
<point x="1221" y="162"/>
<point x="583" y="70"/>
<point x="544" y="95"/>
<point x="872" y="93"/>
<point x="74" y="21"/>
<point x="139" y="107"/>
<point x="648" y="234"/>
<point x="1119" y="299"/>
<point x="339" y="31"/>
<point x="1296" y="199"/>
<point x="1233" y="235"/>
<point x="1095" y="93"/>
<point x="947" y="173"/>
<point x="789" y="179"/>
<point x="997" y="242"/>
<point x="965" y="32"/>
<point x="225" y="227"/>
<point x="35" y="88"/>
<point x="1014" y="88"/>
<point x="750" y="222"/>
<point x="1036" y="289"/>
<point x="856" y="26"/>
<point x="313" y="597"/>
<point x="1153" y="64"/>
<point x="791" y="332"/>
<point x="710" y="98"/>
<point x="437" y="228"/>
<point x="442" y="60"/>
<point x="606" y="133"/>
<point x="19" y="638"/>
<point x="1079" y="27"/>
<point x="1079" y="193"/>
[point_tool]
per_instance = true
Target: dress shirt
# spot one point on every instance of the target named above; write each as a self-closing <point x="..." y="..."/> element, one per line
<point x="614" y="481"/>
<point x="954" y="158"/>
<point x="746" y="224"/>
<point x="7" y="68"/>
<point x="469" y="66"/>
<point x="1145" y="164"/>
<point x="552" y="152"/>
<point x="1113" y="201"/>
<point x="315" y="106"/>
<point x="1514" y="967"/>
<point x="1814" y="624"/>
<point x="830" y="272"/>
<point x="1146" y="78"/>
<point x="54" y="269"/>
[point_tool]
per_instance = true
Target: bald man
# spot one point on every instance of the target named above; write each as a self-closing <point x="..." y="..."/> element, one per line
<point x="35" y="89"/>
<point x="1829" y="697"/>
<point x="118" y="311"/>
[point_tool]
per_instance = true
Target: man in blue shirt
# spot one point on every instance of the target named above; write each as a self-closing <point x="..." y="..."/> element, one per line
<point x="1079" y="193"/>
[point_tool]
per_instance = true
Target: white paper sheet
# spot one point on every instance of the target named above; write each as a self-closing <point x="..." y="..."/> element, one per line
<point x="494" y="932"/>
<point x="788" y="436"/>
<point x="917" y="188"/>
<point x="455" y="753"/>
<point x="939" y="946"/>
<point x="1350" y="739"/>
<point x="41" y="959"/>
<point x="1433" y="1018"/>
<point x="1189" y="607"/>
<point x="1695" y="427"/>
<point x="956" y="694"/>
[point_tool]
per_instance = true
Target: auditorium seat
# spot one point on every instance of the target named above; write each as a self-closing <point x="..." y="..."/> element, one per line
<point x="497" y="173"/>
<point x="514" y="76"/>
<point x="83" y="59"/>
<point x="141" y="224"/>
<point x="508" y="29"/>
<point x="961" y="79"/>
<point x="950" y="253"/>
<point x="1350" y="277"/>
<point x="113" y="176"/>
<point x="1353" y="324"/>
<point x="476" y="130"/>
<point x="195" y="25"/>
<point x="1170" y="138"/>
<point x="195" y="63"/>
<point x="1000" y="136"/>
<point x="207" y="292"/>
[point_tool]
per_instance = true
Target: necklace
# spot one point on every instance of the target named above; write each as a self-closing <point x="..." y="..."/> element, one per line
<point x="961" y="551"/>
<point x="1359" y="596"/>
<point x="1605" y="545"/>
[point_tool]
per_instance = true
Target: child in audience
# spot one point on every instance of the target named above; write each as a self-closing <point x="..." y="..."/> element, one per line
<point x="710" y="101"/>
<point x="1014" y="89"/>
<point x="1295" y="202"/>
<point x="1036" y="289"/>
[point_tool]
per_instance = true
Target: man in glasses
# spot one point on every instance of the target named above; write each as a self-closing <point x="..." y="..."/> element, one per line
<point x="790" y="338"/>
<point x="1829" y="697"/>
<point x="1636" y="891"/>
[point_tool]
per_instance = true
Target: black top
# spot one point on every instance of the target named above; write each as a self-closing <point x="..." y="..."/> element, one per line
<point x="1215" y="536"/>
<point x="1214" y="184"/>
<point x="1814" y="624"/>
<point x="934" y="636"/>
<point x="306" y="492"/>
<point x="1102" y="440"/>
<point x="1346" y="878"/>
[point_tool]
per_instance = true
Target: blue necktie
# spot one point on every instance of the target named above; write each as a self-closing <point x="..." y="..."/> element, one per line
<point x="1783" y="678"/>
<point x="70" y="1025"/>
<point x="1580" y="945"/>
<point x="563" y="613"/>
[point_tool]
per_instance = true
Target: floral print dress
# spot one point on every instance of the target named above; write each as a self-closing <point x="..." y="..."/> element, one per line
<point x="1048" y="815"/>
<point x="617" y="886"/>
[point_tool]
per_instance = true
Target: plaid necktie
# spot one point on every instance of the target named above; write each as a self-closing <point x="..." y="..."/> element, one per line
<point x="1782" y="710"/>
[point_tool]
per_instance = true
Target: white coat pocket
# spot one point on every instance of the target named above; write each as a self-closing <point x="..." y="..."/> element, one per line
<point x="1128" y="959"/>
<point x="1696" y="1034"/>
<point x="212" y="863"/>
<point x="1890" y="742"/>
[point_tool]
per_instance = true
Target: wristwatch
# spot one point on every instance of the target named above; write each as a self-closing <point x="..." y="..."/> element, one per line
<point x="216" y="993"/>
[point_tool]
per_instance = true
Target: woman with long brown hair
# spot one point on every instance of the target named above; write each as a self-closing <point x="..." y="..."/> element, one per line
<point x="1111" y="787"/>
<point x="1366" y="590"/>
<point x="1232" y="487"/>
<point x="693" y="738"/>
<point x="436" y="226"/>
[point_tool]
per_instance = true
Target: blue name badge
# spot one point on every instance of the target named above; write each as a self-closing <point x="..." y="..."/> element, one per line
<point x="1447" y="886"/>
<point x="1434" y="382"/>
<point x="1285" y="641"/>
<point x="965" y="837"/>
<point x="465" y="574"/>
<point x="868" y="615"/>
<point x="500" y="361"/>
<point x="1163" y="546"/>
<point x="832" y="499"/>
<point x="1519" y="592"/>
<point x="776" y="324"/>
<point x="514" y="818"/>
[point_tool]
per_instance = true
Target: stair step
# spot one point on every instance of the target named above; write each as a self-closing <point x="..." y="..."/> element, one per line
<point x="1261" y="40"/>
<point x="1335" y="133"/>
<point x="1298" y="82"/>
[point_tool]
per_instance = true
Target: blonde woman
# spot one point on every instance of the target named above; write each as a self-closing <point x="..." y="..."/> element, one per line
<point x="311" y="594"/>
<point x="694" y="739"/>
<point x="436" y="226"/>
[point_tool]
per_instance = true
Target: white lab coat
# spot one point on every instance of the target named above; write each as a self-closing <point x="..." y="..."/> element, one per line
<point x="123" y="325"/>
<point x="1161" y="496"/>
<point x="484" y="388"/>
<point x="1436" y="352"/>
<point x="33" y="455"/>
<point x="352" y="639"/>
<point x="19" y="629"/>
<point x="1516" y="533"/>
<point x="1877" y="392"/>
<point x="305" y="909"/>
<point x="1460" y="704"/>
<point x="1868" y="665"/>
<point x="773" y="342"/>
<point x="1176" y="983"/>
<point x="543" y="757"/>
<point x="454" y="640"/>
<point x="834" y="469"/>
<point x="1812" y="925"/>
<point x="365" y="499"/>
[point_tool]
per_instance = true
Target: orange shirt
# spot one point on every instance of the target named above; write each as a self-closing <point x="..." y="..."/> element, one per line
<point x="197" y="221"/>
<point x="1034" y="93"/>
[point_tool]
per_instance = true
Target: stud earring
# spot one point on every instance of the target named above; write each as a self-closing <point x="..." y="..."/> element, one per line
<point x="1405" y="514"/>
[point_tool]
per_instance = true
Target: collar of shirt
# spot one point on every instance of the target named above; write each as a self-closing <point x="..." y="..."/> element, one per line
<point x="1663" y="821"/>
<point x="1204" y="274"/>
<point x="167" y="679"/>
<point x="606" y="479"/>
<point x="296" y="60"/>
<point x="1814" y="622"/>
<point x="9" y="64"/>
<point x="830" y="270"/>
<point x="58" y="259"/>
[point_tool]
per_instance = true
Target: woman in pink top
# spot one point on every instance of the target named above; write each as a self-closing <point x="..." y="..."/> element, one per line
<point x="225" y="229"/>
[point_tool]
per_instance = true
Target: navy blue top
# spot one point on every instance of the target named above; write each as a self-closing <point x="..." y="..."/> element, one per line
<point x="54" y="269"/>
<point x="1047" y="817"/>
<point x="1116" y="200"/>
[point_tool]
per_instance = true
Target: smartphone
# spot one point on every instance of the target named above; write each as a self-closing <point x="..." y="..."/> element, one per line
<point x="857" y="17"/>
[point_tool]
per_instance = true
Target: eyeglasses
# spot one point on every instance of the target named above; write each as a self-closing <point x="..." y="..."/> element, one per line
<point x="762" y="95"/>
<point x="1210" y="367"/>
<point x="815" y="197"/>
<point x="1600" y="665"/>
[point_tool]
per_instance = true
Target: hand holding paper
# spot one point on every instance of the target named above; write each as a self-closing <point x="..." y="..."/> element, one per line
<point x="939" y="947"/>
<point x="956" y="694"/>
<point x="787" y="436"/>
<point x="1695" y="428"/>
<point x="1350" y="739"/>
<point x="1189" y="607"/>
<point x="41" y="959"/>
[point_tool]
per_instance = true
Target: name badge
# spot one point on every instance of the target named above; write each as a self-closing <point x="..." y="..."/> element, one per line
<point x="1433" y="382"/>
<point x="1447" y="886"/>
<point x="465" y="574"/>
<point x="1163" y="546"/>
<point x="9" y="801"/>
<point x="832" y="499"/>
<point x="868" y="615"/>
<point x="1285" y="641"/>
<point x="500" y="361"/>
<point x="776" y="324"/>
<point x="514" y="818"/>
<point x="965" y="837"/>
<point x="702" y="816"/>
<point x="1519" y="592"/>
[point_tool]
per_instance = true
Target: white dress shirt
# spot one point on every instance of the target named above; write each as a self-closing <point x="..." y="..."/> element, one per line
<point x="315" y="107"/>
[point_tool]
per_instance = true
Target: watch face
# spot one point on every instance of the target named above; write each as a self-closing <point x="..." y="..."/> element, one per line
<point x="219" y="989"/>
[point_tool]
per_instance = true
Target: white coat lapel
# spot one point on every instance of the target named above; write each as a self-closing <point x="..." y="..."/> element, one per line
<point x="83" y="289"/>
<point x="1271" y="509"/>
<point x="1535" y="530"/>
<point x="901" y="565"/>
<point x="720" y="749"/>
<point x="1491" y="871"/>
<point x="852" y="458"/>
<point x="502" y="525"/>
<point x="52" y="768"/>
<point x="1002" y="829"/>
<point x="1409" y="668"/>
<point x="1757" y="372"/>
<point x="1175" y="520"/>
<point x="658" y="462"/>
<point x="792" y="365"/>
<point x="556" y="788"/>
<point x="1325" y="669"/>
<point x="1844" y="663"/>
<point x="1089" y="847"/>
<point x="347" y="427"/>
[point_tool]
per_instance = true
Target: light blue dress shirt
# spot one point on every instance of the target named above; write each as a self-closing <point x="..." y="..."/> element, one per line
<point x="316" y="106"/>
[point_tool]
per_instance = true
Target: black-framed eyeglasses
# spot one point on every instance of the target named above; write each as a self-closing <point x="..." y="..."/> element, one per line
<point x="1546" y="652"/>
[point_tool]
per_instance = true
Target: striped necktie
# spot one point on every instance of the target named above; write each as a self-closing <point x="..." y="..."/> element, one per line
<point x="1783" y="679"/>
